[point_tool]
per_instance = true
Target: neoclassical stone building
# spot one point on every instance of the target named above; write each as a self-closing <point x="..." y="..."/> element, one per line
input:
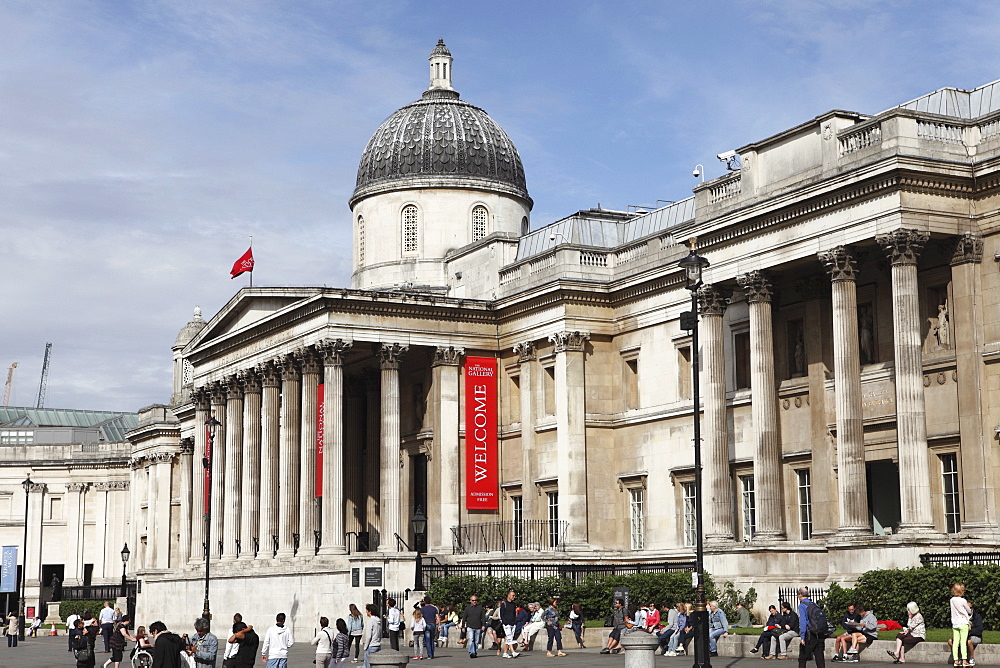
<point x="849" y="340"/>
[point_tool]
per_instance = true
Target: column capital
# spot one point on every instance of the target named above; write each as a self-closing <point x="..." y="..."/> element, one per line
<point x="201" y="397"/>
<point x="903" y="246"/>
<point x="234" y="387"/>
<point x="287" y="366"/>
<point x="569" y="341"/>
<point x="712" y="300"/>
<point x="525" y="351"/>
<point x="218" y="393"/>
<point x="968" y="249"/>
<point x="270" y="375"/>
<point x="309" y="360"/>
<point x="334" y="351"/>
<point x="389" y="355"/>
<point x="448" y="356"/>
<point x="250" y="380"/>
<point x="162" y="458"/>
<point x="77" y="486"/>
<point x="37" y="488"/>
<point x="840" y="263"/>
<point x="757" y="286"/>
<point x="187" y="446"/>
<point x="111" y="485"/>
<point x="136" y="463"/>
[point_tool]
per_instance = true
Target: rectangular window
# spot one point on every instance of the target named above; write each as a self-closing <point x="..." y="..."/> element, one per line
<point x="952" y="512"/>
<point x="805" y="504"/>
<point x="553" y="507"/>
<point x="631" y="384"/>
<point x="549" y="380"/>
<point x="638" y="522"/>
<point x="741" y="355"/>
<point x="55" y="508"/>
<point x="684" y="372"/>
<point x="749" y="505"/>
<point x="517" y="517"/>
<point x="16" y="437"/>
<point x="514" y="404"/>
<point x="690" y="517"/>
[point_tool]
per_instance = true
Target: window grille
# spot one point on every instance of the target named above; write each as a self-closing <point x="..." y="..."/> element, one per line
<point x="479" y="216"/>
<point x="690" y="518"/>
<point x="517" y="507"/>
<point x="805" y="504"/>
<point x="952" y="512"/>
<point x="638" y="522"/>
<point x="749" y="507"/>
<point x="410" y="230"/>
<point x="361" y="240"/>
<point x="553" y="503"/>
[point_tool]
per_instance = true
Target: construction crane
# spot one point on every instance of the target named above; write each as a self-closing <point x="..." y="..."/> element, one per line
<point x="45" y="376"/>
<point x="10" y="383"/>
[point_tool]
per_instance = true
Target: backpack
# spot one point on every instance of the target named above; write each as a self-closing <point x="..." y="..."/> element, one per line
<point x="82" y="651"/>
<point x="817" y="623"/>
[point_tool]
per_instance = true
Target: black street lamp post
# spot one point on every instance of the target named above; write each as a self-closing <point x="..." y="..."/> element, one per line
<point x="693" y="265"/>
<point x="419" y="523"/>
<point x="27" y="485"/>
<point x="210" y="424"/>
<point x="125" y="556"/>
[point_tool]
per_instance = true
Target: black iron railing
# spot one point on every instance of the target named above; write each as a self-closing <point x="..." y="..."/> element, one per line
<point x="510" y="536"/>
<point x="791" y="595"/>
<point x="577" y="573"/>
<point x="98" y="592"/>
<point x="960" y="559"/>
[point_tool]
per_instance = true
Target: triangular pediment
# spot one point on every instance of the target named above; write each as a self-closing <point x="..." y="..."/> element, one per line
<point x="249" y="307"/>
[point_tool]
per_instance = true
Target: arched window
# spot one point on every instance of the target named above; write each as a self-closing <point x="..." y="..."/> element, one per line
<point x="361" y="241"/>
<point x="525" y="228"/>
<point x="479" y="217"/>
<point x="410" y="228"/>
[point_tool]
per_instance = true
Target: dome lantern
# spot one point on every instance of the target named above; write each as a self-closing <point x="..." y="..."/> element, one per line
<point x="440" y="60"/>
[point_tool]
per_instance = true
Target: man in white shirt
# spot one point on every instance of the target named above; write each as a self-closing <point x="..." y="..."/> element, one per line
<point x="277" y="640"/>
<point x="69" y="625"/>
<point x="107" y="622"/>
<point x="392" y="619"/>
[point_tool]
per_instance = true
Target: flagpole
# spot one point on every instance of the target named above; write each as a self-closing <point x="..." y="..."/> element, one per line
<point x="251" y="271"/>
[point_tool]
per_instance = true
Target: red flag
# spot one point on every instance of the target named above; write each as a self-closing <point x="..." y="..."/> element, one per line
<point x="244" y="264"/>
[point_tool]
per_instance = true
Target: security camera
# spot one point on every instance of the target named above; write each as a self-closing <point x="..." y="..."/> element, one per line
<point x="696" y="173"/>
<point x="727" y="156"/>
<point x="552" y="237"/>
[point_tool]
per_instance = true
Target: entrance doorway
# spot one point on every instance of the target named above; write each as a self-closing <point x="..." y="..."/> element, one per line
<point x="419" y="467"/>
<point x="883" y="495"/>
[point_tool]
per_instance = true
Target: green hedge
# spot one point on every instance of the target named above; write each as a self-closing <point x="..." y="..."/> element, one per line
<point x="594" y="593"/>
<point x="66" y="608"/>
<point x="888" y="591"/>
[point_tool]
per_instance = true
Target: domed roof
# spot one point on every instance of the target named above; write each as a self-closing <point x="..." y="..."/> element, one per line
<point x="190" y="330"/>
<point x="440" y="141"/>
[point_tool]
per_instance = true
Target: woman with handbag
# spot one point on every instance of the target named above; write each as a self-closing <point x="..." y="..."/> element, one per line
<point x="576" y="623"/>
<point x="551" y="619"/>
<point x="355" y="627"/>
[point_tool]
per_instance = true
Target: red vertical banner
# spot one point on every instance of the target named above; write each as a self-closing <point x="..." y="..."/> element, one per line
<point x="482" y="472"/>
<point x="207" y="471"/>
<point x="320" y="420"/>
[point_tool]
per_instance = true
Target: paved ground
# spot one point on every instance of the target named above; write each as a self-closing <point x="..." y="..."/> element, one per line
<point x="44" y="652"/>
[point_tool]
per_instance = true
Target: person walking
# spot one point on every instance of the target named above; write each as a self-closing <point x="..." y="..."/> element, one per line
<point x="576" y="622"/>
<point x="341" y="644"/>
<point x="811" y="642"/>
<point x="277" y="640"/>
<point x="204" y="645"/>
<point x="911" y="636"/>
<point x="508" y="618"/>
<point x="324" y="644"/>
<point x="107" y="621"/>
<point x="474" y="623"/>
<point x="372" y="638"/>
<point x="393" y="621"/>
<point x="119" y="639"/>
<point x="430" y="613"/>
<point x="83" y="648"/>
<point x="167" y="646"/>
<point x="355" y="627"/>
<point x="418" y="626"/>
<point x="12" y="626"/>
<point x="551" y="618"/>
<point x="961" y="618"/>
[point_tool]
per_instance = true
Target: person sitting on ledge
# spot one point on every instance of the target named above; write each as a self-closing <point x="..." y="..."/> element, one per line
<point x="773" y="622"/>
<point x="867" y="632"/>
<point x="742" y="617"/>
<point x="843" y="641"/>
<point x="718" y="627"/>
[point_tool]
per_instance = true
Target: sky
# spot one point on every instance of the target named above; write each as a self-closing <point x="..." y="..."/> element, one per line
<point x="143" y="142"/>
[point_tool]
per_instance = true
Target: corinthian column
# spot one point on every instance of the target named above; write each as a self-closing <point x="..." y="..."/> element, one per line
<point x="201" y="413"/>
<point x="764" y="407"/>
<point x="525" y="351"/>
<point x="267" y="528"/>
<point x="903" y="248"/>
<point x="32" y="559"/>
<point x="333" y="501"/>
<point x="446" y="369"/>
<point x="712" y="304"/>
<point x="188" y="518"/>
<point x="288" y="456"/>
<point x="308" y="503"/>
<point x="160" y="473"/>
<point x="251" y="472"/>
<point x="74" y="526"/>
<point x="851" y="492"/>
<point x="234" y="461"/>
<point x="571" y="435"/>
<point x="389" y="480"/>
<point x="218" y="448"/>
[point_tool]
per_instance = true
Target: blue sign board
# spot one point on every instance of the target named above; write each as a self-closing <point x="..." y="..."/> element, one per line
<point x="8" y="569"/>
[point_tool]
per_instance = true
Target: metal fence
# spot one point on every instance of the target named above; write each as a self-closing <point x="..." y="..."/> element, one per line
<point x="791" y="594"/>
<point x="510" y="536"/>
<point x="577" y="573"/>
<point x="960" y="559"/>
<point x="98" y="592"/>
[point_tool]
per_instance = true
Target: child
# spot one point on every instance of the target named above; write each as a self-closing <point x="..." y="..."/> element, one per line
<point x="961" y="616"/>
<point x="418" y="627"/>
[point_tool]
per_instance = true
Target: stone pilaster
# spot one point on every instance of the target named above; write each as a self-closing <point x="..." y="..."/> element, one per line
<point x="158" y="539"/>
<point x="74" y="530"/>
<point x="33" y="553"/>
<point x="100" y="498"/>
<point x="903" y="248"/>
<point x="767" y="452"/>
<point x="978" y="490"/>
<point x="718" y="482"/>
<point x="218" y="449"/>
<point x="250" y="474"/>
<point x="308" y="503"/>
<point x="526" y="356"/>
<point x="188" y="518"/>
<point x="288" y="456"/>
<point x="201" y="414"/>
<point x="267" y="528"/>
<point x="372" y="456"/>
<point x="851" y="488"/>
<point x="389" y="481"/>
<point x="333" y="501"/>
<point x="447" y="370"/>
<point x="571" y="435"/>
<point x="233" y="500"/>
<point x="137" y="525"/>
